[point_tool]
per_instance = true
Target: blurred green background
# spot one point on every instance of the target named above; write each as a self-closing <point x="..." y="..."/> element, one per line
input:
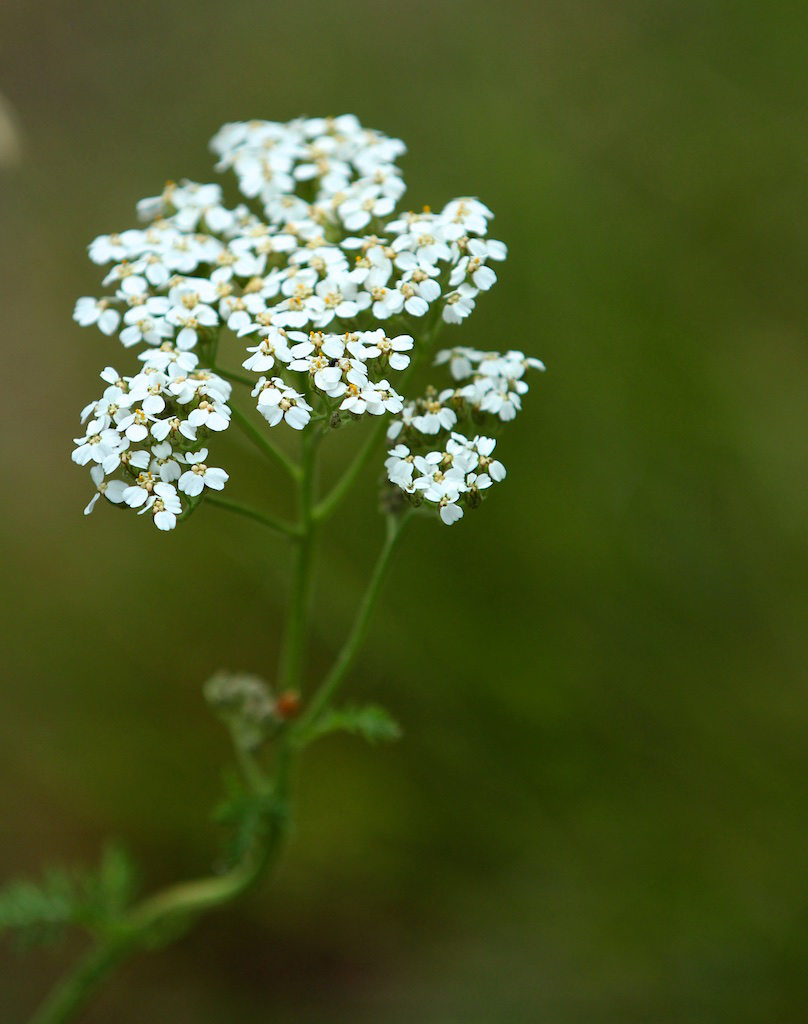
<point x="598" y="812"/>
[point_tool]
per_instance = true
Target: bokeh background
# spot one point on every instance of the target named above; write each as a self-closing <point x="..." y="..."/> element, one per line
<point x="598" y="811"/>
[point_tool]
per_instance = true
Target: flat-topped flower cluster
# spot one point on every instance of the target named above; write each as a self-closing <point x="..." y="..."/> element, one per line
<point x="336" y="298"/>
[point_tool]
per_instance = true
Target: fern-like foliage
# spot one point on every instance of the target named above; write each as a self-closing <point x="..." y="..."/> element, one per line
<point x="248" y="816"/>
<point x="38" y="912"/>
<point x="371" y="722"/>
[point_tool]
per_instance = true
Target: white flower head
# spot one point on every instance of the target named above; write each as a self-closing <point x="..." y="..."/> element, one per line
<point x="277" y="401"/>
<point x="317" y="282"/>
<point x="199" y="475"/>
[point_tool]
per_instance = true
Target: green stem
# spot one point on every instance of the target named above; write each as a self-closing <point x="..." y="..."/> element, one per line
<point x="329" y="504"/>
<point x="176" y="903"/>
<point x="274" y="522"/>
<point x="261" y="441"/>
<point x="77" y="987"/>
<point x="291" y="664"/>
<point x="350" y="649"/>
<point x="236" y="378"/>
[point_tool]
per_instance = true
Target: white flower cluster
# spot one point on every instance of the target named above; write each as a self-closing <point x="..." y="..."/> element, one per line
<point x="332" y="291"/>
<point x="495" y="387"/>
<point x="455" y="476"/>
<point x="459" y="472"/>
<point x="146" y="429"/>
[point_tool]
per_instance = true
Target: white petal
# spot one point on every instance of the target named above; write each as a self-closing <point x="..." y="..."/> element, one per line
<point x="91" y="503"/>
<point x="416" y="306"/>
<point x="297" y="417"/>
<point x="191" y="483"/>
<point x="216" y="478"/>
<point x="108" y="321"/>
<point x="165" y="520"/>
<point x="451" y="513"/>
<point x="217" y="422"/>
<point x="114" y="491"/>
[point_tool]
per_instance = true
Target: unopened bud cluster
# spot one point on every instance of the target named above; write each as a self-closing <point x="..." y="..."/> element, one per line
<point x="248" y="706"/>
<point x="335" y="297"/>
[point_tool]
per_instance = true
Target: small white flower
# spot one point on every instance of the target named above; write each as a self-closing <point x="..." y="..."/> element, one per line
<point x="96" y="311"/>
<point x="273" y="346"/>
<point x="340" y="297"/>
<point x="376" y="344"/>
<point x="135" y="425"/>
<point x="213" y="414"/>
<point x="169" y="359"/>
<point x="465" y="216"/>
<point x="375" y="399"/>
<point x="190" y="310"/>
<point x="484" y="447"/>
<point x="165" y="462"/>
<point x="459" y="304"/>
<point x="462" y="361"/>
<point x="138" y="493"/>
<point x="147" y="323"/>
<point x="111" y="489"/>
<point x="98" y="445"/>
<point x="164" y="505"/>
<point x="277" y="401"/>
<point x="173" y="425"/>
<point x="400" y="467"/>
<point x="200" y="476"/>
<point x="436" y="416"/>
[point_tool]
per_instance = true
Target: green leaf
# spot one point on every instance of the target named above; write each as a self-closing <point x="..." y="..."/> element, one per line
<point x="38" y="912"/>
<point x="371" y="722"/>
<point x="114" y="884"/>
<point x="248" y="816"/>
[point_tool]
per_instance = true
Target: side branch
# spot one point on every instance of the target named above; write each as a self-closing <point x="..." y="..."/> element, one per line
<point x="265" y="518"/>
<point x="329" y="504"/>
<point x="347" y="656"/>
<point x="263" y="442"/>
<point x="236" y="378"/>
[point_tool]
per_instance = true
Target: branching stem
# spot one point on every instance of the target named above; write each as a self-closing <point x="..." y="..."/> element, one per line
<point x="353" y="643"/>
<point x="152" y="919"/>
<point x="181" y="903"/>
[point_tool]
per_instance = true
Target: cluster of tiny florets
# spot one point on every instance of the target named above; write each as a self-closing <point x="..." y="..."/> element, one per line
<point x="334" y="296"/>
<point x="145" y="429"/>
<point x="449" y="478"/>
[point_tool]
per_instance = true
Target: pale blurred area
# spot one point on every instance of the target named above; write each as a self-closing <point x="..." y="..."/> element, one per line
<point x="10" y="138"/>
<point x="597" y="814"/>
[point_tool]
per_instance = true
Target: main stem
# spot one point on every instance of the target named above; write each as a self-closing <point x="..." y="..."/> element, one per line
<point x="188" y="900"/>
<point x="291" y="663"/>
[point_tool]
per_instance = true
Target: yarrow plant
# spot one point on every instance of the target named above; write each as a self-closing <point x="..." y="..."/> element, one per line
<point x="330" y="298"/>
